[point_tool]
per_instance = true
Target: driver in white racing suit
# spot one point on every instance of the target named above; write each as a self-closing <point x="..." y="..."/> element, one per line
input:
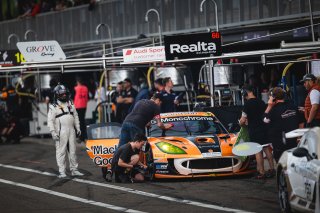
<point x="62" y="122"/>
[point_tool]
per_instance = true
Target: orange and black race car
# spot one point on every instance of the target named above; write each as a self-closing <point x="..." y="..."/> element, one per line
<point x="197" y="145"/>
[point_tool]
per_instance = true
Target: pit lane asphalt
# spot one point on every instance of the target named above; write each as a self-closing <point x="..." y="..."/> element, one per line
<point x="23" y="164"/>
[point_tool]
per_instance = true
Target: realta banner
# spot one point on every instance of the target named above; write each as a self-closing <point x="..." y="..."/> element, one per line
<point x="192" y="45"/>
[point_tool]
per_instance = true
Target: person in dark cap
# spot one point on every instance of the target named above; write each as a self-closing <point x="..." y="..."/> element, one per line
<point x="311" y="104"/>
<point x="143" y="112"/>
<point x="252" y="117"/>
<point x="281" y="117"/>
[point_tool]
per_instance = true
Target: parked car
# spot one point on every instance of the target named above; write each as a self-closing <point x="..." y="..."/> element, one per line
<point x="298" y="174"/>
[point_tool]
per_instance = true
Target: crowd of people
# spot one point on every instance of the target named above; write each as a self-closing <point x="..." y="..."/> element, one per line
<point x="268" y="124"/>
<point x="126" y="97"/>
<point x="10" y="9"/>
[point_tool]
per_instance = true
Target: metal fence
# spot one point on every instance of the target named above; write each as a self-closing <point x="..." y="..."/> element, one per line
<point x="126" y="19"/>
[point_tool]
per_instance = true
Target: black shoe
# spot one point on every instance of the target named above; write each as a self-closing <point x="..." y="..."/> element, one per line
<point x="259" y="176"/>
<point x="270" y="173"/>
<point x="108" y="176"/>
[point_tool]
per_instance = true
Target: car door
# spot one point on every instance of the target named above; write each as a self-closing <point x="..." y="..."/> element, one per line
<point x="301" y="171"/>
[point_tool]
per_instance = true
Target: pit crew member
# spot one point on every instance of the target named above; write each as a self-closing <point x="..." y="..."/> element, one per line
<point x="62" y="121"/>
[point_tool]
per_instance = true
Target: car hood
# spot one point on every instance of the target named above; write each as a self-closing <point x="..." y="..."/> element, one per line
<point x="191" y="147"/>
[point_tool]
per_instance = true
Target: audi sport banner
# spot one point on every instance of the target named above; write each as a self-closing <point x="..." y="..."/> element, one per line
<point x="37" y="51"/>
<point x="193" y="45"/>
<point x="144" y="54"/>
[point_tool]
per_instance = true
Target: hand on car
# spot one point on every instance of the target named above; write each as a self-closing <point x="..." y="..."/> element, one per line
<point x="168" y="126"/>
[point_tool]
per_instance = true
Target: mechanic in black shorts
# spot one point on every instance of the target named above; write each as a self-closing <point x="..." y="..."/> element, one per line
<point x="281" y="117"/>
<point x="252" y="116"/>
<point x="126" y="164"/>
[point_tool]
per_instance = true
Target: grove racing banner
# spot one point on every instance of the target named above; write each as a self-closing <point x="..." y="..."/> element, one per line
<point x="38" y="51"/>
<point x="193" y="45"/>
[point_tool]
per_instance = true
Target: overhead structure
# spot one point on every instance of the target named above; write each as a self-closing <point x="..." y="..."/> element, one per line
<point x="27" y="33"/>
<point x="109" y="33"/>
<point x="159" y="23"/>
<point x="271" y="54"/>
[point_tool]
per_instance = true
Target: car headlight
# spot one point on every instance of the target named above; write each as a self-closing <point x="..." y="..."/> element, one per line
<point x="169" y="148"/>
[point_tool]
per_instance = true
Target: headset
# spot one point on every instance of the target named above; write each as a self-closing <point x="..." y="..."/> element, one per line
<point x="273" y="95"/>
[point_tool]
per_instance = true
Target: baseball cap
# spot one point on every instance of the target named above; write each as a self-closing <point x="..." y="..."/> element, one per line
<point x="308" y="77"/>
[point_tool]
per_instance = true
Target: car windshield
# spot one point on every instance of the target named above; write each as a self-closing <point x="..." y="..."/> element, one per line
<point x="105" y="132"/>
<point x="186" y="126"/>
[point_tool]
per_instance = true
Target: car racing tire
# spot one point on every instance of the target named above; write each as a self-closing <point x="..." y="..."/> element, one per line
<point x="283" y="193"/>
<point x="151" y="167"/>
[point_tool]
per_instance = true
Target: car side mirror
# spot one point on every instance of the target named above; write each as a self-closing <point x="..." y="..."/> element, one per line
<point x="233" y="127"/>
<point x="301" y="152"/>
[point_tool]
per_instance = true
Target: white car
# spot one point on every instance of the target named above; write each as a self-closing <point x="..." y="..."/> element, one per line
<point x="298" y="174"/>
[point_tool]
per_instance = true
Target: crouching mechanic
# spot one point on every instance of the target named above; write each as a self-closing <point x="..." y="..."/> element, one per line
<point x="62" y="122"/>
<point x="126" y="165"/>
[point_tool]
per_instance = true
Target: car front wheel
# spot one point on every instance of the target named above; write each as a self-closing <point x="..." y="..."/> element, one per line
<point x="283" y="193"/>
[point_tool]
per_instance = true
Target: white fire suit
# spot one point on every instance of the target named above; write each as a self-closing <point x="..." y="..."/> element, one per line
<point x="62" y="122"/>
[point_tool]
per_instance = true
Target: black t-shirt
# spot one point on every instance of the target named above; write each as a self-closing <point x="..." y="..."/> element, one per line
<point x="143" y="112"/>
<point x="168" y="101"/>
<point x="131" y="93"/>
<point x="284" y="117"/>
<point x="124" y="153"/>
<point x="254" y="108"/>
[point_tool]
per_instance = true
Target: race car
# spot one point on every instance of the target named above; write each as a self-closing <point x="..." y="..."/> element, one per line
<point x="197" y="145"/>
<point x="298" y="173"/>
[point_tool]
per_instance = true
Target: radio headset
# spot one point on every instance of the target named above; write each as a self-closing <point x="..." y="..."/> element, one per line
<point x="272" y="95"/>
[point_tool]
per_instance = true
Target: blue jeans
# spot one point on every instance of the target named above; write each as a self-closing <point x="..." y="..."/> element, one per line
<point x="128" y="131"/>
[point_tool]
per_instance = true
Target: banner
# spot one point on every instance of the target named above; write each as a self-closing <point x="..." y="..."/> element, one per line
<point x="37" y="51"/>
<point x="193" y="45"/>
<point x="11" y="58"/>
<point x="144" y="54"/>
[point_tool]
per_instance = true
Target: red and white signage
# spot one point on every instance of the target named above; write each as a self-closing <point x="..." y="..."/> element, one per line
<point x="144" y="54"/>
<point x="34" y="51"/>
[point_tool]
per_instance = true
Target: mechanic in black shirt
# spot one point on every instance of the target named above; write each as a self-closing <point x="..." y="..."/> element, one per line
<point x="252" y="116"/>
<point x="170" y="99"/>
<point x="126" y="164"/>
<point x="126" y="99"/>
<point x="281" y="117"/>
<point x="143" y="112"/>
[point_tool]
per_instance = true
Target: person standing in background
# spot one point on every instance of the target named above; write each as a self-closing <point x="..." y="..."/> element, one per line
<point x="80" y="102"/>
<point x="158" y="85"/>
<point x="126" y="99"/>
<point x="170" y="99"/>
<point x="118" y="108"/>
<point x="311" y="105"/>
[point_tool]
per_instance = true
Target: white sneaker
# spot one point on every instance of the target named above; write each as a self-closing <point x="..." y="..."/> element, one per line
<point x="76" y="173"/>
<point x="62" y="175"/>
